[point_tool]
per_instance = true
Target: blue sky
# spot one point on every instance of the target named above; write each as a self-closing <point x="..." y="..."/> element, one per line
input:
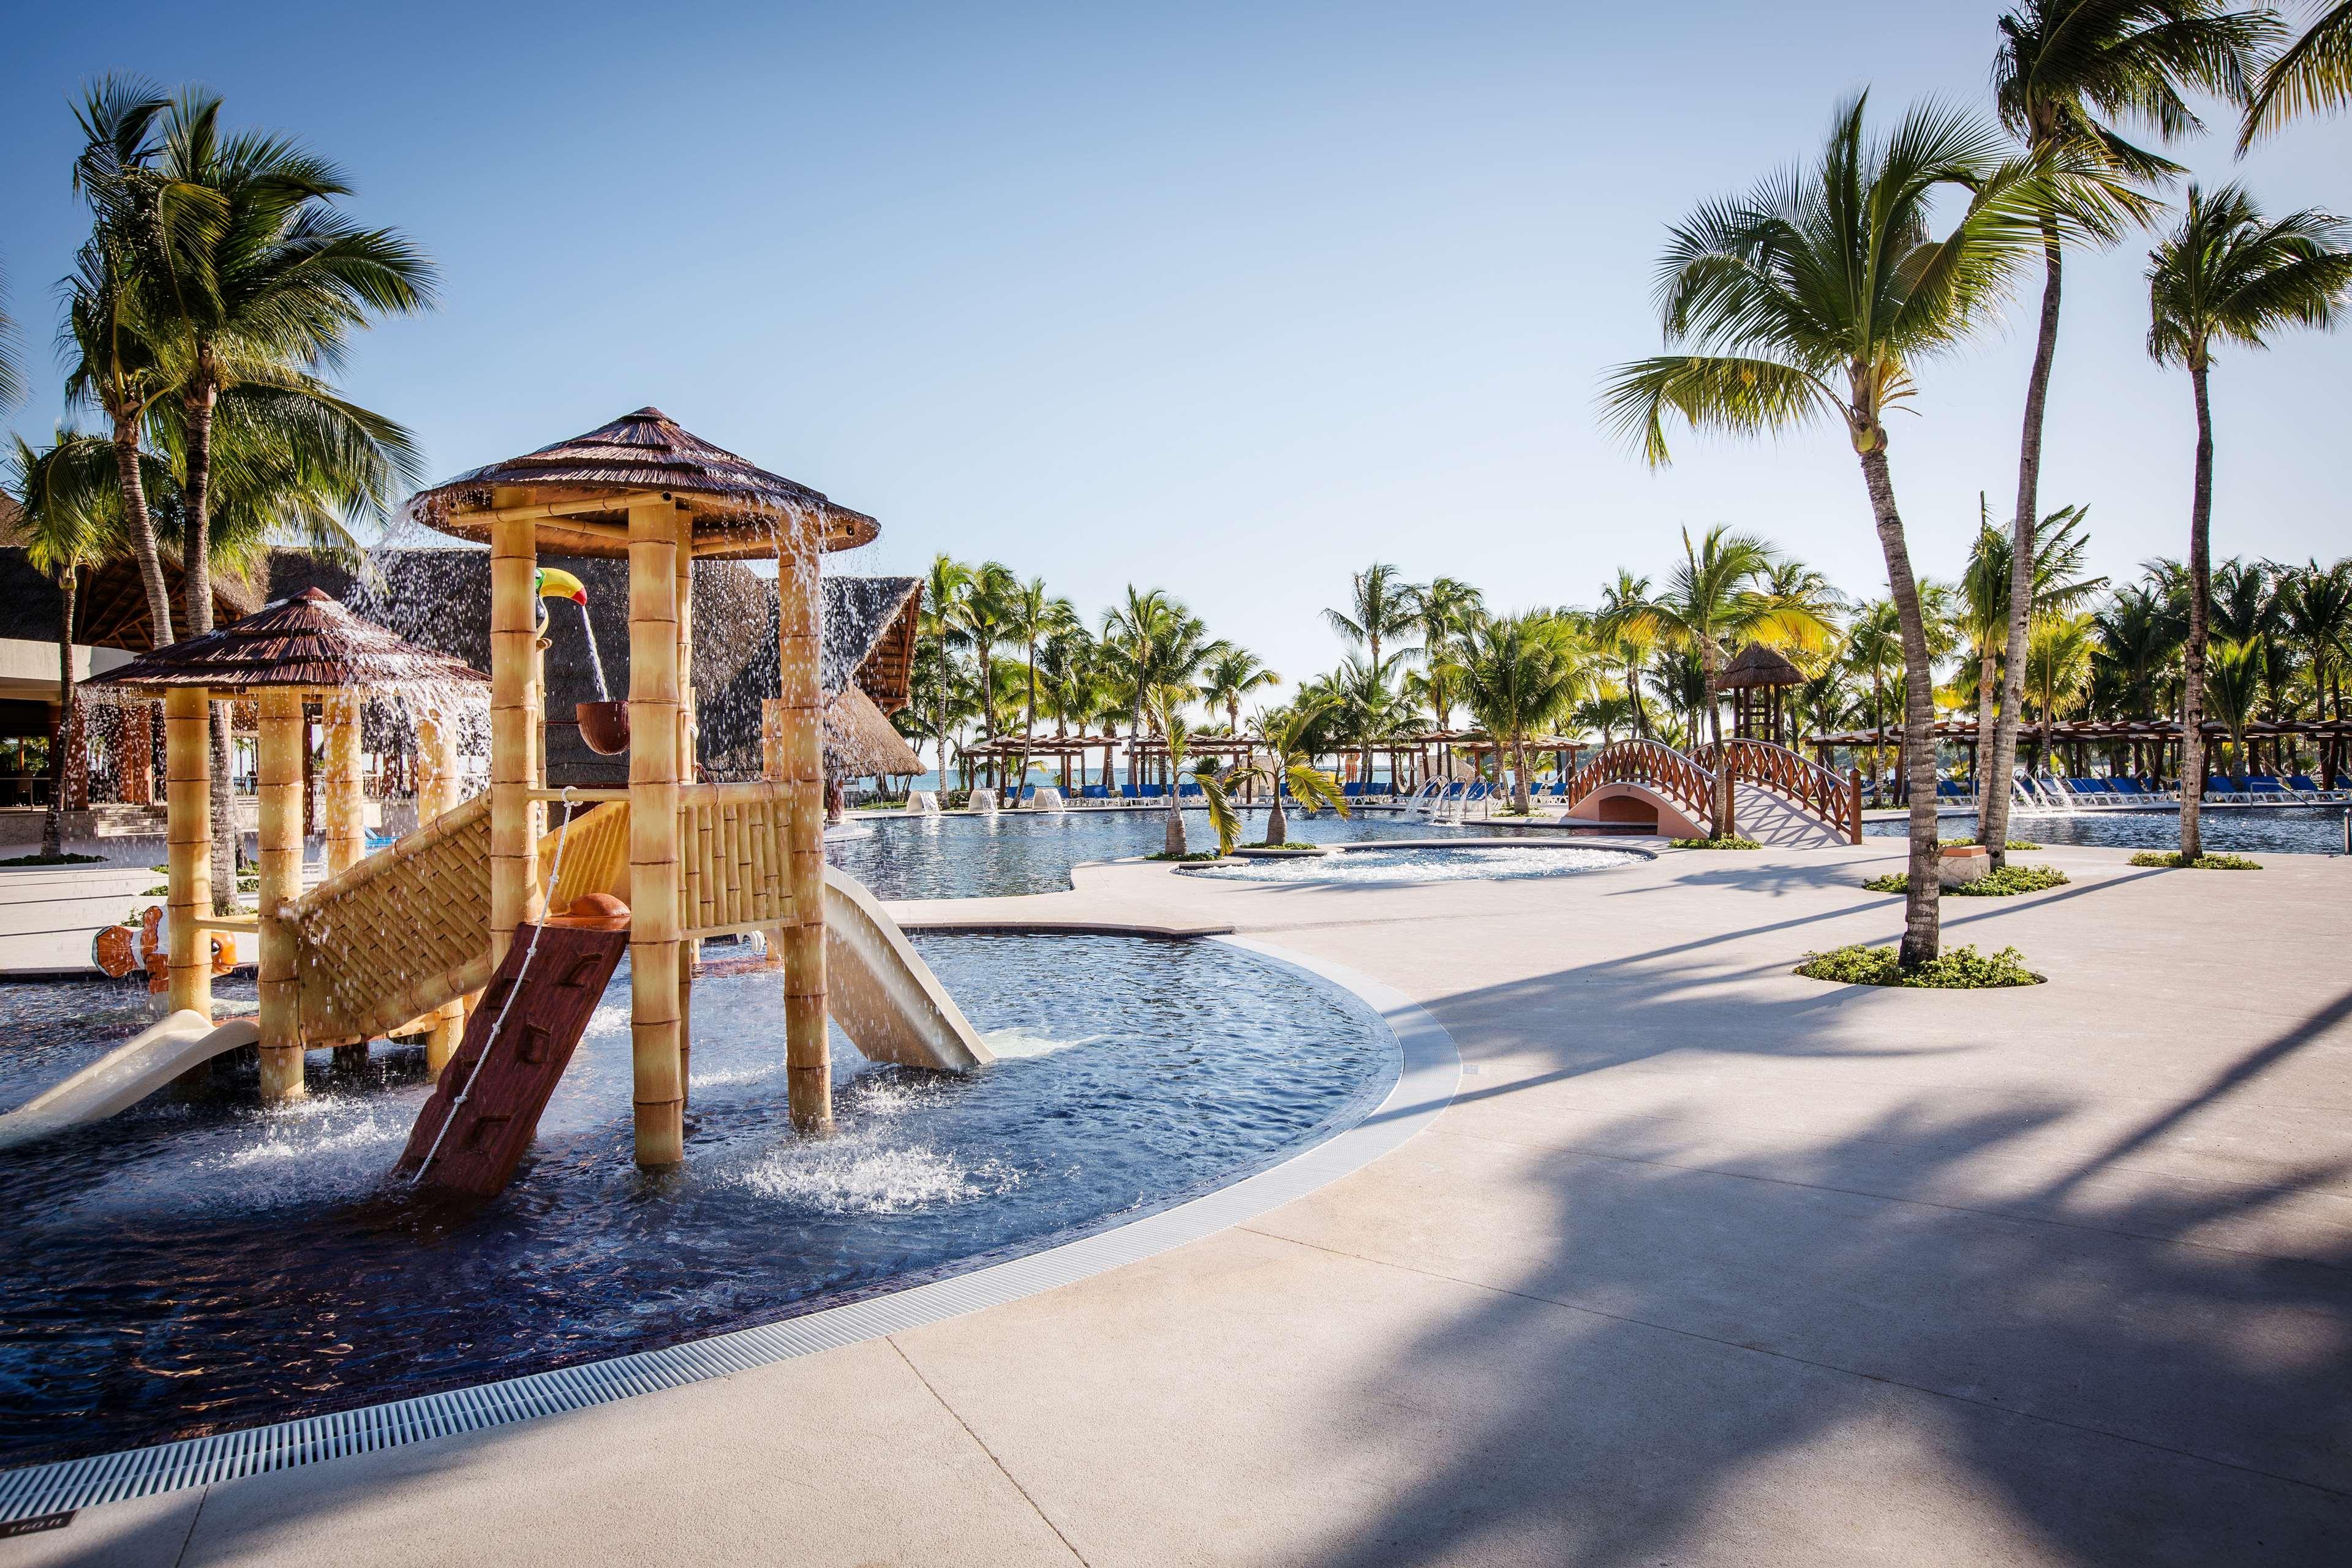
<point x="1228" y="299"/>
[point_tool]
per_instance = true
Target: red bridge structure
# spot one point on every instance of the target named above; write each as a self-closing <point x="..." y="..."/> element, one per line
<point x="1777" y="795"/>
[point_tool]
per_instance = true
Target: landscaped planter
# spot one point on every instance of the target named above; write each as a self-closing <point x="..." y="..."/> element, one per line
<point x="1956" y="863"/>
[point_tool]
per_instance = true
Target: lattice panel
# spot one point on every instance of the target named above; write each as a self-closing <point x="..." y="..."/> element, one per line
<point x="401" y="932"/>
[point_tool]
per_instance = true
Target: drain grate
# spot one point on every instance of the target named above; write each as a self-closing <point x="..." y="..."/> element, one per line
<point x="1428" y="1069"/>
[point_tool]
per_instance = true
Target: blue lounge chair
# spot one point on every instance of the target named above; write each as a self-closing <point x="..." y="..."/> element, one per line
<point x="1186" y="789"/>
<point x="2262" y="784"/>
<point x="1129" y="792"/>
<point x="1094" y="792"/>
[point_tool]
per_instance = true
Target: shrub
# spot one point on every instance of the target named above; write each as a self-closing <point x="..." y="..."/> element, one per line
<point x="2172" y="860"/>
<point x="1962" y="969"/>
<point x="1735" y="842"/>
<point x="66" y="859"/>
<point x="1288" y="847"/>
<point x="1192" y="855"/>
<point x="2001" y="884"/>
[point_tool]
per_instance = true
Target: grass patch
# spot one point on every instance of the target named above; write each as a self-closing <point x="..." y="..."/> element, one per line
<point x="56" y="860"/>
<point x="2004" y="883"/>
<point x="1732" y="842"/>
<point x="2173" y="860"/>
<point x="2013" y="844"/>
<point x="1287" y="846"/>
<point x="1188" y="855"/>
<point x="1960" y="969"/>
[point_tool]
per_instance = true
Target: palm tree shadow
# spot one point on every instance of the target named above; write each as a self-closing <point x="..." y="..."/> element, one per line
<point x="1887" y="1347"/>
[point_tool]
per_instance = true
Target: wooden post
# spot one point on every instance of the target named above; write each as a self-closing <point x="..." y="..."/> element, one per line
<point x="689" y="957"/>
<point x="437" y="792"/>
<point x="187" y="804"/>
<point x="278" y="761"/>
<point x="346" y="807"/>
<point x="514" y="819"/>
<point x="808" y="1053"/>
<point x="653" y="771"/>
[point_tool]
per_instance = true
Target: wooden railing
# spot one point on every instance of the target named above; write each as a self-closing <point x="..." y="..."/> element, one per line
<point x="1835" y="799"/>
<point x="1654" y="766"/>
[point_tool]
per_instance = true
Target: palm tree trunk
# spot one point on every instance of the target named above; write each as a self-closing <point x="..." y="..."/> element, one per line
<point x="1519" y="774"/>
<point x="1277" y="826"/>
<point x="228" y="842"/>
<point x="1922" y="917"/>
<point x="2200" y="596"/>
<point x="1721" y="826"/>
<point x="1987" y="704"/>
<point x="142" y="528"/>
<point x="1992" y="816"/>
<point x="53" y="845"/>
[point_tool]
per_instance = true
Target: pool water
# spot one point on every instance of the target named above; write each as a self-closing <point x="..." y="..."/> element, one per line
<point x="2231" y="829"/>
<point x="200" y="1262"/>
<point x="1447" y="864"/>
<point x="959" y="857"/>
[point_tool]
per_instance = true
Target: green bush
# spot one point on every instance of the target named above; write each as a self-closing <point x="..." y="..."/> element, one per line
<point x="1962" y="969"/>
<point x="2172" y="860"/>
<point x="1192" y="854"/>
<point x="2013" y="844"/>
<point x="1288" y="847"/>
<point x="1734" y="842"/>
<point x="2001" y="884"/>
<point x="56" y="860"/>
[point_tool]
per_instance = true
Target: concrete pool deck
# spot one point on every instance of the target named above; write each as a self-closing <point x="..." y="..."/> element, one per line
<point x="1705" y="1263"/>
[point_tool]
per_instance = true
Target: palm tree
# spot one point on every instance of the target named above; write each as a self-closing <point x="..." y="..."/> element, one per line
<point x="114" y="362"/>
<point x="2233" y="686"/>
<point x="1443" y="613"/>
<point x="2057" y="586"/>
<point x="2229" y="273"/>
<point x="2058" y="668"/>
<point x="1817" y="294"/>
<point x="1168" y="717"/>
<point x="986" y="613"/>
<point x="2311" y="76"/>
<point x="1288" y="763"/>
<point x="61" y="494"/>
<point x="2318" y="609"/>
<point x="1035" y="616"/>
<point x="1381" y="608"/>
<point x="1718" y="598"/>
<point x="2135" y="639"/>
<point x="1519" y="675"/>
<point x="939" y="625"/>
<point x="1230" y="676"/>
<point x="1623" y="627"/>
<point x="2066" y="72"/>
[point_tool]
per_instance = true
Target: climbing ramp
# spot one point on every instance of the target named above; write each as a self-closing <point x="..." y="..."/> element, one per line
<point x="474" y="1131"/>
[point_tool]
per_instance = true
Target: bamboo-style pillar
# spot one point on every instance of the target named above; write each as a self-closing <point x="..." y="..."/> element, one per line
<point x="690" y="730"/>
<point x="346" y="804"/>
<point x="808" y="1053"/>
<point x="514" y="720"/>
<point x="187" y="803"/>
<point x="278" y="764"/>
<point x="654" y="773"/>
<point x="437" y="784"/>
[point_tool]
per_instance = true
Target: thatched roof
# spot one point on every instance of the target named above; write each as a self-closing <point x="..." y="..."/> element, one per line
<point x="735" y="505"/>
<point x="870" y="625"/>
<point x="859" y="742"/>
<point x="109" y="600"/>
<point x="307" y="641"/>
<point x="1758" y="666"/>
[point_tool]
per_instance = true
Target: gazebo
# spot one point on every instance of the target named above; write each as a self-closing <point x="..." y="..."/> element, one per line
<point x="288" y="653"/>
<point x="1759" y="668"/>
<point x="644" y="490"/>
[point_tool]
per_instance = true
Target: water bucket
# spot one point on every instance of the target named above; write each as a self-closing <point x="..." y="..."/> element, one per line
<point x="604" y="726"/>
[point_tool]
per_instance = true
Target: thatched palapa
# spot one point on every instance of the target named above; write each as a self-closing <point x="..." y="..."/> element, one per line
<point x="580" y="488"/>
<point x="306" y="641"/>
<point x="1758" y="666"/>
<point x="859" y="742"/>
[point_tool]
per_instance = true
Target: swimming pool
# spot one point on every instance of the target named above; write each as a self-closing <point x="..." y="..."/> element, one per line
<point x="202" y="1262"/>
<point x="2237" y="830"/>
<point x="1448" y="863"/>
<point x="961" y="856"/>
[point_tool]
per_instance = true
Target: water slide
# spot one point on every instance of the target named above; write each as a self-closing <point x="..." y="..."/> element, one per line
<point x="407" y="930"/>
<point x="126" y="1074"/>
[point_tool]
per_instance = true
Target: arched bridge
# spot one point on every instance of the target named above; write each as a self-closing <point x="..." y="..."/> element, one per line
<point x="1777" y="795"/>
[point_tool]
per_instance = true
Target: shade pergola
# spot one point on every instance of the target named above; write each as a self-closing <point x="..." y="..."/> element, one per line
<point x="646" y="489"/>
<point x="2149" y="739"/>
<point x="286" y="653"/>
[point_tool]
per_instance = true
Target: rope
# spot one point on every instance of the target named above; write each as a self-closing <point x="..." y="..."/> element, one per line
<point x="498" y="1023"/>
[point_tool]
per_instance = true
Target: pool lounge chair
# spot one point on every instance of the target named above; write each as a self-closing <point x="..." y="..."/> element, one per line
<point x="2260" y="785"/>
<point x="1954" y="791"/>
<point x="2309" y="788"/>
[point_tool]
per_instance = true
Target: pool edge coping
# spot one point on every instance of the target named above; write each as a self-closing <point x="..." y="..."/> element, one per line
<point x="1427" y="1070"/>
